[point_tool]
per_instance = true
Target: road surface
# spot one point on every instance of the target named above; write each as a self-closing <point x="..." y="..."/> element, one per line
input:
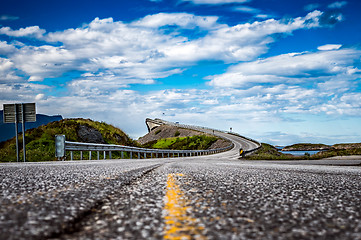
<point x="207" y="197"/>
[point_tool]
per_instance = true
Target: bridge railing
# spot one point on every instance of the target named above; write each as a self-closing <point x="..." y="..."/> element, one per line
<point x="62" y="146"/>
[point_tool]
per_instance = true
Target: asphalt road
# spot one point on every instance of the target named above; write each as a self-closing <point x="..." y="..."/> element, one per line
<point x="208" y="197"/>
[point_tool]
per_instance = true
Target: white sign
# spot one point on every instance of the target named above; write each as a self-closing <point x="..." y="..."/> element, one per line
<point x="14" y="112"/>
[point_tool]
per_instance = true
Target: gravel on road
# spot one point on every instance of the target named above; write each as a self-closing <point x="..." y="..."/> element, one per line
<point x="194" y="198"/>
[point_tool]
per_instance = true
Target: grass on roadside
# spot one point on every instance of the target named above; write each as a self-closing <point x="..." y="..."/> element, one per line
<point x="198" y="142"/>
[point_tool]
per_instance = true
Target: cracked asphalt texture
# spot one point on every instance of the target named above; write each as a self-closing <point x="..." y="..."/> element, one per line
<point x="226" y="199"/>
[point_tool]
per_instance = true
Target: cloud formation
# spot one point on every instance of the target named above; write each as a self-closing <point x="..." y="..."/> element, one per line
<point x="146" y="49"/>
<point x="33" y="31"/>
<point x="8" y="18"/>
<point x="109" y="56"/>
<point x="336" y="5"/>
<point x="291" y="68"/>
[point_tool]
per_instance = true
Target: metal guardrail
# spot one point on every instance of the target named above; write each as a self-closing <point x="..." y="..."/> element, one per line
<point x="63" y="146"/>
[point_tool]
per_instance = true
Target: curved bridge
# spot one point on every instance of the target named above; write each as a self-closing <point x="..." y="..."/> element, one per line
<point x="248" y="145"/>
<point x="239" y="144"/>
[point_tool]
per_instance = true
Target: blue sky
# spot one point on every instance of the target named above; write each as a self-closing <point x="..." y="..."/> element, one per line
<point x="280" y="71"/>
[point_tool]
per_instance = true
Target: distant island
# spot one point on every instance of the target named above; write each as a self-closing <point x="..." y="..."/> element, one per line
<point x="307" y="147"/>
<point x="320" y="147"/>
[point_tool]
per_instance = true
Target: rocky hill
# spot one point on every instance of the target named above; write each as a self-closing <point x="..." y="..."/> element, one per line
<point x="41" y="141"/>
<point x="321" y="147"/>
<point x="168" y="132"/>
<point x="306" y="147"/>
<point x="346" y="146"/>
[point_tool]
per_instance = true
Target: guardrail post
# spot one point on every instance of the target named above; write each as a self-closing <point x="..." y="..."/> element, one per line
<point x="110" y="154"/>
<point x="138" y="155"/>
<point x="90" y="155"/>
<point x="105" y="155"/>
<point x="98" y="155"/>
<point x="130" y="154"/>
<point x="81" y="155"/>
<point x="145" y="155"/>
<point x="121" y="154"/>
<point x="71" y="155"/>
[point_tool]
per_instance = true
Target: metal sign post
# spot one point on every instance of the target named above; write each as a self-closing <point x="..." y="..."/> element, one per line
<point x="23" y="128"/>
<point x="16" y="132"/>
<point x="19" y="112"/>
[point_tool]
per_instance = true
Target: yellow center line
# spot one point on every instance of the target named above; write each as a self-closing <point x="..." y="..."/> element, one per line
<point x="178" y="222"/>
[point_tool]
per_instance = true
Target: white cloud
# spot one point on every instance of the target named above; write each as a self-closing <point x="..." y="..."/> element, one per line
<point x="262" y="16"/>
<point x="339" y="4"/>
<point x="247" y="9"/>
<point x="6" y="48"/>
<point x="256" y="12"/>
<point x="215" y="2"/>
<point x="291" y="68"/>
<point x="39" y="97"/>
<point x="183" y="20"/>
<point x="346" y="104"/>
<point x="146" y="49"/>
<point x="33" y="31"/>
<point x="20" y="92"/>
<point x="8" y="18"/>
<point x="329" y="47"/>
<point x="7" y="72"/>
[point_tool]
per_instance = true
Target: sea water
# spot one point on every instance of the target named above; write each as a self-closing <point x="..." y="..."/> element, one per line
<point x="299" y="153"/>
<point x="296" y="153"/>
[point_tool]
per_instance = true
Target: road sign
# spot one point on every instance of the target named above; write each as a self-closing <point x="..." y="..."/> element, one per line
<point x="14" y="112"/>
<point x="19" y="113"/>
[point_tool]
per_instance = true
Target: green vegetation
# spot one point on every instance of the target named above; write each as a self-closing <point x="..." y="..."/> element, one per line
<point x="268" y="152"/>
<point x="157" y="132"/>
<point x="347" y="145"/>
<point x="198" y="142"/>
<point x="306" y="147"/>
<point x="337" y="152"/>
<point x="177" y="133"/>
<point x="40" y="142"/>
